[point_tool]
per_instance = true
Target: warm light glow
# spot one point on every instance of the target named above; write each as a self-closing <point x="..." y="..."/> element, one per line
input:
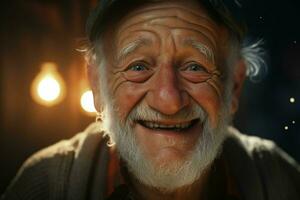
<point x="48" y="87"/>
<point x="87" y="102"/>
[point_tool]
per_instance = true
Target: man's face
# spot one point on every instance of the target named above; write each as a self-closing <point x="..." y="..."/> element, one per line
<point x="165" y="58"/>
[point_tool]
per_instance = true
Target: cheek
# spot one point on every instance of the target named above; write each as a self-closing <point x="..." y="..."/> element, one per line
<point x="207" y="97"/>
<point x="127" y="96"/>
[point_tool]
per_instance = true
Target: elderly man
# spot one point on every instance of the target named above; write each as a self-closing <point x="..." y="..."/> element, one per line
<point x="166" y="76"/>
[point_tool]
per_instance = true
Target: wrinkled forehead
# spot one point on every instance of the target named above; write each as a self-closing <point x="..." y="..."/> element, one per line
<point x="188" y="10"/>
<point x="169" y="14"/>
<point x="187" y="18"/>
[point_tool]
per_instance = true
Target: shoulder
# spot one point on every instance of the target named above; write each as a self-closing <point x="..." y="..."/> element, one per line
<point x="251" y="144"/>
<point x="47" y="172"/>
<point x="260" y="148"/>
<point x="66" y="149"/>
<point x="261" y="161"/>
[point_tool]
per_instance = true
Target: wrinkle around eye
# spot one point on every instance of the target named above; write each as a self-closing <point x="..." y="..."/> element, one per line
<point x="137" y="76"/>
<point x="117" y="83"/>
<point x="215" y="84"/>
<point x="203" y="72"/>
<point x="199" y="77"/>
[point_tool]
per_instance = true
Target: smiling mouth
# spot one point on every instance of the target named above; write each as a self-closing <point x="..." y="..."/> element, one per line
<point x="181" y="126"/>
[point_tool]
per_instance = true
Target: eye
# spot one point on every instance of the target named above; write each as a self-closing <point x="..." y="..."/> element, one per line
<point x="194" y="72"/>
<point x="138" y="67"/>
<point x="194" y="67"/>
<point x="138" y="72"/>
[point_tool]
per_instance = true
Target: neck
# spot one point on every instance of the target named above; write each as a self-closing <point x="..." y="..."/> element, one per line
<point x="195" y="191"/>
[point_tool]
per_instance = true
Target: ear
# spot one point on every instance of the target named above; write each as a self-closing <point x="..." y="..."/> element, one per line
<point x="94" y="80"/>
<point x="238" y="78"/>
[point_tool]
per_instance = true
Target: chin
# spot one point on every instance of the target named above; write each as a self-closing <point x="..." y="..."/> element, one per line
<point x="171" y="171"/>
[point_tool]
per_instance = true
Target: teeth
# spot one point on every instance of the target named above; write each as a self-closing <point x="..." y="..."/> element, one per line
<point x="157" y="125"/>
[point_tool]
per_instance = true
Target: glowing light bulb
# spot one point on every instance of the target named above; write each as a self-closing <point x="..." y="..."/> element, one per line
<point x="87" y="102"/>
<point x="48" y="87"/>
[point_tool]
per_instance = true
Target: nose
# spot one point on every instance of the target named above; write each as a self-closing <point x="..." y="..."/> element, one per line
<point x="166" y="95"/>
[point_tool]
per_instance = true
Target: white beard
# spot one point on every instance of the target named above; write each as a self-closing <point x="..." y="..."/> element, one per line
<point x="171" y="175"/>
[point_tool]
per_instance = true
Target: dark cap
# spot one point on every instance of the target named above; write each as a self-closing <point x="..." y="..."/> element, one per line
<point x="226" y="12"/>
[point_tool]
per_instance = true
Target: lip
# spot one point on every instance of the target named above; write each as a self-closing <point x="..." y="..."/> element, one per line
<point x="158" y="125"/>
<point x="195" y="129"/>
<point x="164" y="145"/>
<point x="166" y="122"/>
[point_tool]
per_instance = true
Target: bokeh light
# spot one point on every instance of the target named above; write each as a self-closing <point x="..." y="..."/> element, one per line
<point x="87" y="102"/>
<point x="292" y="100"/>
<point x="48" y="87"/>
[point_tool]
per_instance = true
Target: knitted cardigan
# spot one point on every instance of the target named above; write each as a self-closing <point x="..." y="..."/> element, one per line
<point x="77" y="169"/>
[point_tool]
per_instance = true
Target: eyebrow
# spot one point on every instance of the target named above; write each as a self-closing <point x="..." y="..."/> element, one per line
<point x="131" y="47"/>
<point x="204" y="49"/>
<point x="134" y="45"/>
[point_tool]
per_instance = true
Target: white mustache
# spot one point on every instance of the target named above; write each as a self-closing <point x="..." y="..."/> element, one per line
<point x="143" y="112"/>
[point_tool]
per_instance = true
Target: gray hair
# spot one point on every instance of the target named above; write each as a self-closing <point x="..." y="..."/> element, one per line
<point x="254" y="56"/>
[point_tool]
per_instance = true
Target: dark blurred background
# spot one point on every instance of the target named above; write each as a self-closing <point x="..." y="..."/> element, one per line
<point x="37" y="31"/>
